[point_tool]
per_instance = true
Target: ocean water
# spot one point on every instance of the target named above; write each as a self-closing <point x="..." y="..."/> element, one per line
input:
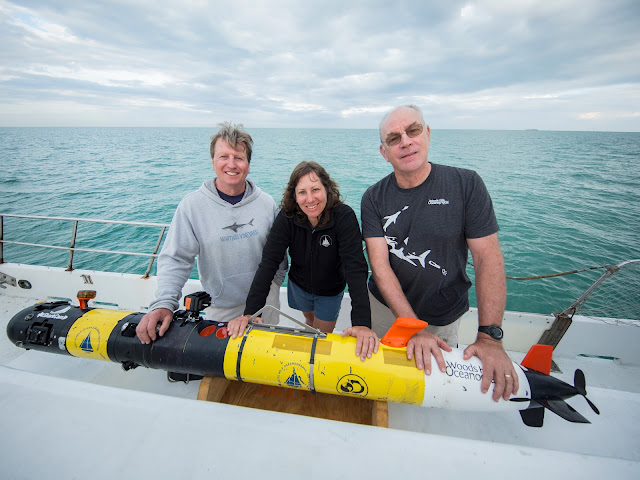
<point x="564" y="200"/>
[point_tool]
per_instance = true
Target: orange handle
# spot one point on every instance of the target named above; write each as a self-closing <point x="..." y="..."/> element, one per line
<point x="402" y="330"/>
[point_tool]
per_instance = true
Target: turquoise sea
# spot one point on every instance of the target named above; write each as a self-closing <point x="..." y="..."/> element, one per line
<point x="564" y="200"/>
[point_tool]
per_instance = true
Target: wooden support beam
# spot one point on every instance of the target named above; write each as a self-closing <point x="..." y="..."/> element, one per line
<point x="299" y="402"/>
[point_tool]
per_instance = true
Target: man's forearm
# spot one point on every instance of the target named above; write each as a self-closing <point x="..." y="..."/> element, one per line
<point x="386" y="279"/>
<point x="393" y="295"/>
<point x="491" y="289"/>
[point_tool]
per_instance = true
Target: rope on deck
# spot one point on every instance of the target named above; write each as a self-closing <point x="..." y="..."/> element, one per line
<point x="610" y="268"/>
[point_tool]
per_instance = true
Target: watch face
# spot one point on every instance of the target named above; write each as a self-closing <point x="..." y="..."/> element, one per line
<point x="496" y="332"/>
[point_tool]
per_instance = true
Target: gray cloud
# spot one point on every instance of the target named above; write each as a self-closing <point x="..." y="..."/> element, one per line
<point x="479" y="64"/>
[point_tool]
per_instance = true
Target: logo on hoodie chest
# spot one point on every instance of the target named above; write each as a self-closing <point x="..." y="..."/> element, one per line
<point x="239" y="231"/>
<point x="237" y="226"/>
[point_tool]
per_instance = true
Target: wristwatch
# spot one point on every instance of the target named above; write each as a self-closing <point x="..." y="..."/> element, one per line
<point x="494" y="331"/>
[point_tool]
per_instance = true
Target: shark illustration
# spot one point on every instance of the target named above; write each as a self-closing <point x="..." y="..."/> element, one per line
<point x="420" y="258"/>
<point x="399" y="252"/>
<point x="392" y="218"/>
<point x="235" y="227"/>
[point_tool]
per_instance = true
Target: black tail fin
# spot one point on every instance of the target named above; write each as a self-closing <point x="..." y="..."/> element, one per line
<point x="533" y="417"/>
<point x="563" y="409"/>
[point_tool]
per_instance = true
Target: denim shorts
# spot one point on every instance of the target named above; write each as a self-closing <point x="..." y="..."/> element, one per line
<point x="324" y="308"/>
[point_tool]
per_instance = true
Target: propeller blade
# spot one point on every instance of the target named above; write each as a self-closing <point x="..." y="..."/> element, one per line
<point x="579" y="382"/>
<point x="593" y="407"/>
<point x="581" y="385"/>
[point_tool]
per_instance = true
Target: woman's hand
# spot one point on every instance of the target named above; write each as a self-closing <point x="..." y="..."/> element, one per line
<point x="235" y="327"/>
<point x="367" y="341"/>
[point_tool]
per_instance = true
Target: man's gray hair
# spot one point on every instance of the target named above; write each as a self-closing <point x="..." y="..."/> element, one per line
<point x="414" y="107"/>
<point x="235" y="136"/>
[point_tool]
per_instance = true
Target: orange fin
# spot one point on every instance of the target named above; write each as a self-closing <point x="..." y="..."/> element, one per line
<point x="402" y="330"/>
<point x="539" y="358"/>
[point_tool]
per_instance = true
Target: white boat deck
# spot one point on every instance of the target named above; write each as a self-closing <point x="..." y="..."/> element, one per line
<point x="65" y="417"/>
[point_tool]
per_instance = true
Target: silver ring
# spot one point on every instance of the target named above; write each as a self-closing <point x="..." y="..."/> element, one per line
<point x="507" y="375"/>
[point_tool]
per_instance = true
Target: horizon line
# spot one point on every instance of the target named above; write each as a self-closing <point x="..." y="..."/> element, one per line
<point x="327" y="128"/>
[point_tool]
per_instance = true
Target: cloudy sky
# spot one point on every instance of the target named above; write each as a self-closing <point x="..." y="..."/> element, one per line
<point x="482" y="64"/>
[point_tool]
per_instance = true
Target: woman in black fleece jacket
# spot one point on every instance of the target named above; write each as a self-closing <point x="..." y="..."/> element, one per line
<point x="325" y="246"/>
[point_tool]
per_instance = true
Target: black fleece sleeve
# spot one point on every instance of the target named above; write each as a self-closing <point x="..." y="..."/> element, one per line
<point x="272" y="255"/>
<point x="355" y="266"/>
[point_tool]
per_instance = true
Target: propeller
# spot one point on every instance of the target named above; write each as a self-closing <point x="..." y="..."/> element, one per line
<point x="580" y="384"/>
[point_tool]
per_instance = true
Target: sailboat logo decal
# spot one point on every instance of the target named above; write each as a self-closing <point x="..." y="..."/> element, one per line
<point x="293" y="380"/>
<point x="293" y="375"/>
<point x="86" y="344"/>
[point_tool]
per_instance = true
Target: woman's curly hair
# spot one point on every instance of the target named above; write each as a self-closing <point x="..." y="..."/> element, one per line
<point x="289" y="205"/>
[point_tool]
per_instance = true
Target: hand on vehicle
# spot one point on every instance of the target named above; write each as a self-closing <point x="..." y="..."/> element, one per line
<point x="497" y="367"/>
<point x="424" y="344"/>
<point x="146" y="329"/>
<point x="236" y="327"/>
<point x="367" y="341"/>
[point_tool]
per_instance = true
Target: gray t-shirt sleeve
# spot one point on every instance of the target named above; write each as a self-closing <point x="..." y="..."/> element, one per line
<point x="480" y="218"/>
<point x="370" y="215"/>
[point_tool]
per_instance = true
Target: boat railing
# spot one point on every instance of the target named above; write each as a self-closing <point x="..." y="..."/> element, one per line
<point x="611" y="270"/>
<point x="71" y="247"/>
<point x="75" y="221"/>
<point x="563" y="320"/>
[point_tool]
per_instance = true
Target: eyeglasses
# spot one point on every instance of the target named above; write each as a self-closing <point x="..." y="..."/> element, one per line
<point x="412" y="131"/>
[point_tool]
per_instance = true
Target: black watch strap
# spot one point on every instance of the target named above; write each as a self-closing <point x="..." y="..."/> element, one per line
<point x="494" y="331"/>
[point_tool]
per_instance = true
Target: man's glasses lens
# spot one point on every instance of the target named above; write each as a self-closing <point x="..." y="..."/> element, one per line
<point x="412" y="131"/>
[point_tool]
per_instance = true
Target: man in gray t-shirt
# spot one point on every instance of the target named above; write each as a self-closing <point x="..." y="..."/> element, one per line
<point x="419" y="223"/>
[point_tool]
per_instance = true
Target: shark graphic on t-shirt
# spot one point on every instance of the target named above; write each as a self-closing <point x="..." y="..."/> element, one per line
<point x="392" y="242"/>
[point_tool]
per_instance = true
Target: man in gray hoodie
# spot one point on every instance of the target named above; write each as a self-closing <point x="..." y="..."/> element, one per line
<point x="225" y="224"/>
